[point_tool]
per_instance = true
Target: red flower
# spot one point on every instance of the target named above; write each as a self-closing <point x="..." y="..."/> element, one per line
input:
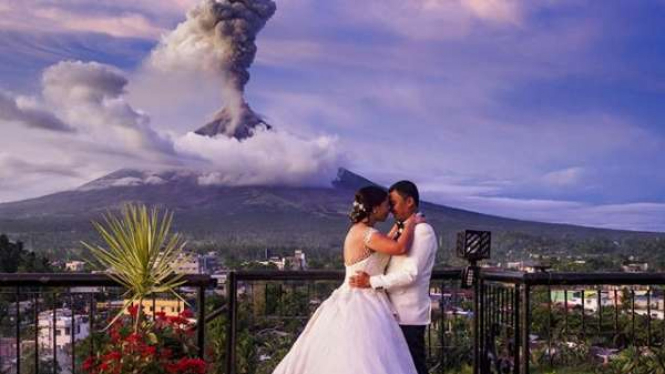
<point x="191" y="365"/>
<point x="149" y="351"/>
<point x="133" y="310"/>
<point x="133" y="338"/>
<point x="178" y="320"/>
<point x="113" y="356"/>
<point x="186" y="314"/>
<point x="88" y="363"/>
<point x="162" y="347"/>
<point x="115" y="335"/>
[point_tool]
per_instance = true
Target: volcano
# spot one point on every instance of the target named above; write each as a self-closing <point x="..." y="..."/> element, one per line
<point x="240" y="127"/>
<point x="250" y="217"/>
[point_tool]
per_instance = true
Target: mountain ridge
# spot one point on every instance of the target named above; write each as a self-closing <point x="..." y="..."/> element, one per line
<point x="246" y="215"/>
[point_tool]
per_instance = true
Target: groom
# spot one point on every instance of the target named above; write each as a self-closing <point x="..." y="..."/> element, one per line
<point x="407" y="276"/>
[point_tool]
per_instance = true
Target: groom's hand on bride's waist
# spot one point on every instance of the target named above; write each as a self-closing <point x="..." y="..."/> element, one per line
<point x="360" y="280"/>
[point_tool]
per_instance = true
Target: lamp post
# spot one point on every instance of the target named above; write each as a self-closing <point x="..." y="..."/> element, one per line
<point x="474" y="246"/>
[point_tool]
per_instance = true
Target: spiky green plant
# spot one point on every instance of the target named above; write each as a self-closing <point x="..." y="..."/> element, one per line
<point x="140" y="254"/>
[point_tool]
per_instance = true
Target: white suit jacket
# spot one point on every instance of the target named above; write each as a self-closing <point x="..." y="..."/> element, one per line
<point x="407" y="278"/>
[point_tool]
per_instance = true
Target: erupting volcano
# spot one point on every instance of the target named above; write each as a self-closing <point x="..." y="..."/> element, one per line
<point x="219" y="37"/>
<point x="240" y="126"/>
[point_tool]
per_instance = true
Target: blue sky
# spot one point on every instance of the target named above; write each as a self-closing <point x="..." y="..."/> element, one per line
<point x="547" y="110"/>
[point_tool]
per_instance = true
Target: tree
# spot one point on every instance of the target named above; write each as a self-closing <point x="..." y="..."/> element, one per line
<point x="15" y="259"/>
<point x="140" y="254"/>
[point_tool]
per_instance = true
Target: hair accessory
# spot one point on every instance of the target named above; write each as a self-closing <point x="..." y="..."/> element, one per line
<point x="359" y="206"/>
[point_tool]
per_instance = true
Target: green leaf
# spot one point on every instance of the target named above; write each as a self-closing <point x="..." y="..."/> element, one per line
<point x="140" y="253"/>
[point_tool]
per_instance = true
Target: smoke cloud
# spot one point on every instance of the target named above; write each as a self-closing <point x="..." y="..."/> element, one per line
<point x="26" y="112"/>
<point x="88" y="100"/>
<point x="90" y="96"/>
<point x="86" y="104"/>
<point x="267" y="158"/>
<point x="218" y="37"/>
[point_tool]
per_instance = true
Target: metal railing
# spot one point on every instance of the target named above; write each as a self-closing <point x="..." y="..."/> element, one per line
<point x="443" y="282"/>
<point x="54" y="292"/>
<point x="593" y="307"/>
<point x="520" y="322"/>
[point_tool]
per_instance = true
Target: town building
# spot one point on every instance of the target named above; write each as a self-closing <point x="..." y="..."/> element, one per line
<point x="75" y="266"/>
<point x="67" y="326"/>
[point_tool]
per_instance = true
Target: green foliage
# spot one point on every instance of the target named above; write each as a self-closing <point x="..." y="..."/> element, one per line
<point x="45" y="364"/>
<point x="140" y="253"/>
<point x="637" y="360"/>
<point x="15" y="259"/>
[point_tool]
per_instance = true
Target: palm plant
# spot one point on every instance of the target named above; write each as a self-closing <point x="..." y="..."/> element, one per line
<point x="140" y="254"/>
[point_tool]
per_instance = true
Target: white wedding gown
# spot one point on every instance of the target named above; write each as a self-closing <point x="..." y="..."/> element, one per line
<point x="354" y="331"/>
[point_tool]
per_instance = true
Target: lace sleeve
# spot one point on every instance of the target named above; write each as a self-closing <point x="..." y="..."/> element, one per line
<point x="368" y="235"/>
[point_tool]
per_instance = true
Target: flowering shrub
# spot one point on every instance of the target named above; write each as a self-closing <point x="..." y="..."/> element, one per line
<point x="163" y="346"/>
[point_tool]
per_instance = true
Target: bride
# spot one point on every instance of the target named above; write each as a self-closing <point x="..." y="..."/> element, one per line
<point x="355" y="330"/>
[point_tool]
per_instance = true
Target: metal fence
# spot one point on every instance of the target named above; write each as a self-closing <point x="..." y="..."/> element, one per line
<point x="72" y="302"/>
<point x="445" y="344"/>
<point x="507" y="322"/>
<point x="545" y="320"/>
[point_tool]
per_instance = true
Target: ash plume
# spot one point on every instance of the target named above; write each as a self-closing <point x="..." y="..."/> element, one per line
<point x="219" y="36"/>
<point x="16" y="109"/>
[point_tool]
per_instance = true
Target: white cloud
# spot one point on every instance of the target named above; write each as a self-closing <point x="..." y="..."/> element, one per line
<point x="11" y="167"/>
<point x="565" y="177"/>
<point x="267" y="158"/>
<point x="35" y="16"/>
<point x="504" y="11"/>
<point x="435" y="19"/>
<point x="641" y="216"/>
<point x="126" y="25"/>
<point x="21" y="178"/>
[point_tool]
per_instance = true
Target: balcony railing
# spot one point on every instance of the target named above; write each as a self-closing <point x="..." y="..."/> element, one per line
<point x="562" y="315"/>
<point x="29" y="296"/>
<point x="508" y="322"/>
<point x="247" y="286"/>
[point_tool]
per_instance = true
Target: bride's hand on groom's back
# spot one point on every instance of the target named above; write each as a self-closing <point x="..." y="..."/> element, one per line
<point x="360" y="280"/>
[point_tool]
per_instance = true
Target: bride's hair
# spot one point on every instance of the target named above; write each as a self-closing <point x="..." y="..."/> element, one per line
<point x="366" y="199"/>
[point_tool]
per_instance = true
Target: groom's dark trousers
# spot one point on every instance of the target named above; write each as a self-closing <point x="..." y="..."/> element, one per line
<point x="415" y="338"/>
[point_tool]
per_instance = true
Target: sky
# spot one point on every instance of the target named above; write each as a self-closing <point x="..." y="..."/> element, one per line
<point x="540" y="110"/>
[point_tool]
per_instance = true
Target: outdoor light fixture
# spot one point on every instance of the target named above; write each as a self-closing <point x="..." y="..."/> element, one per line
<point x="473" y="246"/>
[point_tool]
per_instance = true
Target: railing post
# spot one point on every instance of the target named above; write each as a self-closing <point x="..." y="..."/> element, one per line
<point x="35" y="307"/>
<point x="91" y="323"/>
<point x="649" y="316"/>
<point x="200" y="324"/>
<point x="72" y="327"/>
<point x="476" y="324"/>
<point x="442" y="326"/>
<point x="583" y="315"/>
<point x="18" y="330"/>
<point x="516" y="330"/>
<point x="526" y="323"/>
<point x="54" y="339"/>
<point x="482" y="331"/>
<point x="232" y="313"/>
<point x="549" y="325"/>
